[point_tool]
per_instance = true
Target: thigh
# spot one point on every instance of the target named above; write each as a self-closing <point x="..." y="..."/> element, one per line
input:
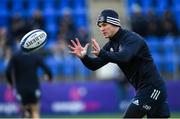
<point x="134" y="111"/>
<point x="153" y="102"/>
<point x="29" y="97"/>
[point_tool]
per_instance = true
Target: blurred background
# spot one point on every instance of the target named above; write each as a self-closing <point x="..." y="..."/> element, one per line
<point x="75" y="90"/>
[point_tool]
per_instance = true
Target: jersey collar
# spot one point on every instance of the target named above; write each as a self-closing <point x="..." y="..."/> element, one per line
<point x="118" y="35"/>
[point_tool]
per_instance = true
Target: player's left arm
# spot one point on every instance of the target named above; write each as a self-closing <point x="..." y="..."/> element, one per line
<point x="9" y="73"/>
<point x="128" y="51"/>
<point x="44" y="66"/>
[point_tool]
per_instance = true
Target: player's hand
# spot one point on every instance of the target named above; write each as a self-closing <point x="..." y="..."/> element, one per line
<point x="77" y="49"/>
<point x="96" y="47"/>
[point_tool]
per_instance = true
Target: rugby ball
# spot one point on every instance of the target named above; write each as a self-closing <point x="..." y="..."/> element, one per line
<point x="33" y="40"/>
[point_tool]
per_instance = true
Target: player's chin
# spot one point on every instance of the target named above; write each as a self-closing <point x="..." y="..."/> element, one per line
<point x="106" y="36"/>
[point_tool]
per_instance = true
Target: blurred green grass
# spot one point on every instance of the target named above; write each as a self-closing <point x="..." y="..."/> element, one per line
<point x="99" y="116"/>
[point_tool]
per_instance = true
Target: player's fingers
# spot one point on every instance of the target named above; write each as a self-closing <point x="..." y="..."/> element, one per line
<point x="74" y="44"/>
<point x="95" y="43"/>
<point x="94" y="47"/>
<point x="93" y="52"/>
<point x="72" y="48"/>
<point x="71" y="52"/>
<point x="94" y="40"/>
<point x="77" y="41"/>
<point x="86" y="46"/>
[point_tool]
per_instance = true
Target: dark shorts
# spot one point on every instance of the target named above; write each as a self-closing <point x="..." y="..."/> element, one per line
<point x="150" y="101"/>
<point x="28" y="97"/>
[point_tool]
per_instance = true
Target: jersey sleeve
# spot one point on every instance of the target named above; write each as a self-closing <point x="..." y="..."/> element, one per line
<point x="129" y="49"/>
<point x="95" y="63"/>
<point x="9" y="72"/>
<point x="44" y="66"/>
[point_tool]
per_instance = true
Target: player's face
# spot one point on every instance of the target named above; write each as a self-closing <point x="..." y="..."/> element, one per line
<point x="107" y="30"/>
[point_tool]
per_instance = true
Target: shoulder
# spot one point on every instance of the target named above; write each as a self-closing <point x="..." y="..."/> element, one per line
<point x="36" y="56"/>
<point x="16" y="54"/>
<point x="134" y="37"/>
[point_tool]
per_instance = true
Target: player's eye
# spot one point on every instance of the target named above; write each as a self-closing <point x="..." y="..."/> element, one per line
<point x="102" y="24"/>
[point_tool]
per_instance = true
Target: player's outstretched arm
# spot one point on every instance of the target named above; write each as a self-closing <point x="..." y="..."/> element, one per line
<point x="77" y="49"/>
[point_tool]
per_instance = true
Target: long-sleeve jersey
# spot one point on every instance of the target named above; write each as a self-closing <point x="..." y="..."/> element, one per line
<point x="131" y="53"/>
<point x="22" y="70"/>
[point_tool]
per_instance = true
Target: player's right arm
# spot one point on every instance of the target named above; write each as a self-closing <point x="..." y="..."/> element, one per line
<point x="81" y="52"/>
<point x="93" y="63"/>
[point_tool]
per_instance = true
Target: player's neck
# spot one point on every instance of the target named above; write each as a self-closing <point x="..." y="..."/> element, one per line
<point x="116" y="30"/>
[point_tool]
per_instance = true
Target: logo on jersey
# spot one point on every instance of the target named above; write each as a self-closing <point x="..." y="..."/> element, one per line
<point x="120" y="48"/>
<point x="147" y="107"/>
<point x="111" y="49"/>
<point x="136" y="102"/>
<point x="155" y="94"/>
